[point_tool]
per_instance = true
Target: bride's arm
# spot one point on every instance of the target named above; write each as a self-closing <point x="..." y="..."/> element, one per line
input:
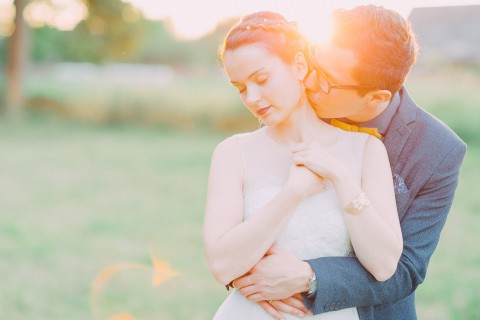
<point x="232" y="245"/>
<point x="375" y="230"/>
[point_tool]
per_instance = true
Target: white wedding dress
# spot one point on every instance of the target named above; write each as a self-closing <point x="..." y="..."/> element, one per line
<point x="316" y="229"/>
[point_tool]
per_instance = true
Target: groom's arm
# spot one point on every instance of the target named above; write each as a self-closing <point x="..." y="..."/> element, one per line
<point x="343" y="282"/>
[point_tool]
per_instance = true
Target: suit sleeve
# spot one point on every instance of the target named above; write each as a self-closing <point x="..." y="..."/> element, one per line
<point x="343" y="282"/>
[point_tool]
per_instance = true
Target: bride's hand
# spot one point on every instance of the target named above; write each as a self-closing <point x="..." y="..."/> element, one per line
<point x="316" y="158"/>
<point x="293" y="305"/>
<point x="304" y="182"/>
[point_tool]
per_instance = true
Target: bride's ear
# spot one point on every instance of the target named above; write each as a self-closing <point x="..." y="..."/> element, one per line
<point x="301" y="66"/>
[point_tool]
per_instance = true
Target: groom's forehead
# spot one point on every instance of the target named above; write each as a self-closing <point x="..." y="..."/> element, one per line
<point x="336" y="60"/>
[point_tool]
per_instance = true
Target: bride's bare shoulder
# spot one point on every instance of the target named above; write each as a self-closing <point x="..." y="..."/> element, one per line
<point x="235" y="140"/>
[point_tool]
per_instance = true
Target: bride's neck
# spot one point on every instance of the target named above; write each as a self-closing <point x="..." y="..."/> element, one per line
<point x="300" y="127"/>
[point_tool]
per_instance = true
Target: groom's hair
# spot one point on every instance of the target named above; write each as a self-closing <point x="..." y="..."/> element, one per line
<point x="383" y="41"/>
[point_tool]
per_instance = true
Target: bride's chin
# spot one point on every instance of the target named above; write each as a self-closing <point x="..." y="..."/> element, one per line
<point x="272" y="122"/>
<point x="267" y="122"/>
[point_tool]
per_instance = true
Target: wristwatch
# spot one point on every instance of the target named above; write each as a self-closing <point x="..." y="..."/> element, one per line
<point x="312" y="285"/>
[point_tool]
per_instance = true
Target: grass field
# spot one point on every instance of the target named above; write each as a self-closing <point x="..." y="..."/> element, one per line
<point x="76" y="199"/>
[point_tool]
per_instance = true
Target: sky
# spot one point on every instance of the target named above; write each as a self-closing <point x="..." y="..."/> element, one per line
<point x="192" y="19"/>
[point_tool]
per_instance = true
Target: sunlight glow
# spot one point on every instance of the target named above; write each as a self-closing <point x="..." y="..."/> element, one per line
<point x="191" y="19"/>
<point x="7" y="14"/>
<point x="189" y="28"/>
<point x="61" y="14"/>
<point x="151" y="10"/>
<point x="37" y="14"/>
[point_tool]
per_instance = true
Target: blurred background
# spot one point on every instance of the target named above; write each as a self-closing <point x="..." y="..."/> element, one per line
<point x="110" y="111"/>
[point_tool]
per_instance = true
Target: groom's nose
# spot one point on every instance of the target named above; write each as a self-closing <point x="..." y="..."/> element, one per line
<point x="311" y="82"/>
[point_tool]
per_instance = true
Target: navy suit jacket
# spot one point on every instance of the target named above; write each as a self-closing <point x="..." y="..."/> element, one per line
<point x="425" y="157"/>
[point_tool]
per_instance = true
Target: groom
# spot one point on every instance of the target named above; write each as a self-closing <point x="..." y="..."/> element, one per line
<point x="375" y="47"/>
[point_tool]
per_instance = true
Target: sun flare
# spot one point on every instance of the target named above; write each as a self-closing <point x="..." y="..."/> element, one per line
<point x="61" y="14"/>
<point x="191" y="19"/>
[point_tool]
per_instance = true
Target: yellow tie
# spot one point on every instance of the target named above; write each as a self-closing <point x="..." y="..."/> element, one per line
<point x="351" y="127"/>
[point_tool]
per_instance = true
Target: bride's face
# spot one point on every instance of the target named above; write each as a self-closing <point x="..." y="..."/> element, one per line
<point x="269" y="87"/>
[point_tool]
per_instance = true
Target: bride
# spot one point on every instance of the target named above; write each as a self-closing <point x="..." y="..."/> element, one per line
<point x="296" y="183"/>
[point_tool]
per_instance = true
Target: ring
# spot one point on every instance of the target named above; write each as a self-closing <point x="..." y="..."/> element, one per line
<point x="270" y="301"/>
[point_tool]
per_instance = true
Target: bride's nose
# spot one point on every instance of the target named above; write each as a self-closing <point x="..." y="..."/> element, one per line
<point x="253" y="95"/>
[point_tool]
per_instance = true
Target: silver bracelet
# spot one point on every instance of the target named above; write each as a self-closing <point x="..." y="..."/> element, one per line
<point x="357" y="204"/>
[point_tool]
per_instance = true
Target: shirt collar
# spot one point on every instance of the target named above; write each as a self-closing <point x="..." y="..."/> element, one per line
<point x="382" y="121"/>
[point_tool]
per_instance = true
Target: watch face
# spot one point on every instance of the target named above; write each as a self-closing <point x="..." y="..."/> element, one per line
<point x="312" y="285"/>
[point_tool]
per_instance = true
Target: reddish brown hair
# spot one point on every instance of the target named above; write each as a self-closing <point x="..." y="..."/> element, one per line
<point x="268" y="29"/>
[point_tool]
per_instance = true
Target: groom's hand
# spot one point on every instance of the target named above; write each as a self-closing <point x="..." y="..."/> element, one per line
<point x="278" y="275"/>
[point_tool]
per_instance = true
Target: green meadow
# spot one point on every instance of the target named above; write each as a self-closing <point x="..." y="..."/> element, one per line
<point x="87" y="198"/>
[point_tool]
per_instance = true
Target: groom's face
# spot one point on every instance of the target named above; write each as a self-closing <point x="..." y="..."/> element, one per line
<point x="336" y="65"/>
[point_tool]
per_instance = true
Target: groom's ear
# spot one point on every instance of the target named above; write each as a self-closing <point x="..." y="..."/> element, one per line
<point x="379" y="96"/>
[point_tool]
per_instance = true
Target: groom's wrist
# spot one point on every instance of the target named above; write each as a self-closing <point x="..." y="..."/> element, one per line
<point x="312" y="286"/>
<point x="307" y="279"/>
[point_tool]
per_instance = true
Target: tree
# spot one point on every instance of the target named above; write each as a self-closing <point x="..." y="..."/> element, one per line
<point x="16" y="58"/>
<point x="110" y="36"/>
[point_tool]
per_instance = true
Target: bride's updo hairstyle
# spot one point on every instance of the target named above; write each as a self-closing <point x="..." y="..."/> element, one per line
<point x="270" y="30"/>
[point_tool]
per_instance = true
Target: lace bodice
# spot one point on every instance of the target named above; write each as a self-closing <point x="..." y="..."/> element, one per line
<point x="317" y="228"/>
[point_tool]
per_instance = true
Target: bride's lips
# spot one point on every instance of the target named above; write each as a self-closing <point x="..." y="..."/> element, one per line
<point x="262" y="111"/>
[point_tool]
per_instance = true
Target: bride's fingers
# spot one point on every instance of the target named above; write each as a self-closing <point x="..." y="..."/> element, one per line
<point x="270" y="310"/>
<point x="276" y="249"/>
<point x="300" y="147"/>
<point x="299" y="159"/>
<point x="304" y="161"/>
<point x="251" y="293"/>
<point x="300" y="152"/>
<point x="243" y="281"/>
<point x="296" y="302"/>
<point x="294" y="310"/>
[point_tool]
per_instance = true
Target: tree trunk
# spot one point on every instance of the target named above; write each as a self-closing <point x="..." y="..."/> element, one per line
<point x="16" y="55"/>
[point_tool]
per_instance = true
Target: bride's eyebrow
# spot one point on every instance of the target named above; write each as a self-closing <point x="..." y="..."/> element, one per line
<point x="251" y="75"/>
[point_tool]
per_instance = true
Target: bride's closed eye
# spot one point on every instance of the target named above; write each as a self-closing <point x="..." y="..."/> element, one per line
<point x="262" y="81"/>
<point x="240" y="88"/>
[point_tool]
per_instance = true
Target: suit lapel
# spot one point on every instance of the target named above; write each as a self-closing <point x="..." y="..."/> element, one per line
<point x="398" y="130"/>
<point x="395" y="139"/>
